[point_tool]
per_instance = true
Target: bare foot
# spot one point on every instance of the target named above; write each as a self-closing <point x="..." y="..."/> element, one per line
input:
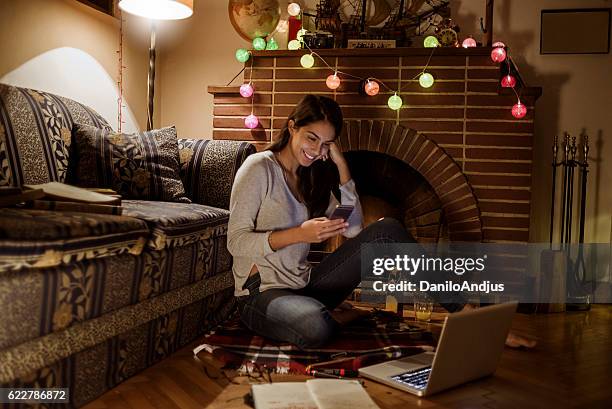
<point x="517" y="341"/>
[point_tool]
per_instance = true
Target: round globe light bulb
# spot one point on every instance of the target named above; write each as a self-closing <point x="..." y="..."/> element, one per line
<point x="394" y="102"/>
<point x="272" y="45"/>
<point x="426" y="80"/>
<point x="242" y="55"/>
<point x="293" y="9"/>
<point x="372" y="88"/>
<point x="300" y="34"/>
<point x="246" y="90"/>
<point x="498" y="54"/>
<point x="251" y="121"/>
<point x="259" y="43"/>
<point x="519" y="110"/>
<point x="508" y="81"/>
<point x="332" y="81"/>
<point x="294" y="45"/>
<point x="307" y="61"/>
<point x="498" y="44"/>
<point x="431" y="42"/>
<point x="468" y="43"/>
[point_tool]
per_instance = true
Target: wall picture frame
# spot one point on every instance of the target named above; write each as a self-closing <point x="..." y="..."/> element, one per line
<point x="575" y="31"/>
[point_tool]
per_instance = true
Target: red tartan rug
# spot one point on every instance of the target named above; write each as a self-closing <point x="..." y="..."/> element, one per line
<point x="374" y="338"/>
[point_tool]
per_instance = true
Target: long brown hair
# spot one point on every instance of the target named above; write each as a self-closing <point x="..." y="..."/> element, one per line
<point x="318" y="180"/>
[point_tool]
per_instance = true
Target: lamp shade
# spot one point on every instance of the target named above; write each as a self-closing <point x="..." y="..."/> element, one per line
<point x="158" y="9"/>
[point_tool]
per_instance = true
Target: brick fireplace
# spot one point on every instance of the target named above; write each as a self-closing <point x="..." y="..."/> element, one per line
<point x="452" y="163"/>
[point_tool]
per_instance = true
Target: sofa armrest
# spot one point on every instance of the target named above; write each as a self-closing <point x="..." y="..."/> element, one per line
<point x="208" y="168"/>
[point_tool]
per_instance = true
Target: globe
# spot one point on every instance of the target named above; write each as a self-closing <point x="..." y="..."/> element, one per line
<point x="254" y="18"/>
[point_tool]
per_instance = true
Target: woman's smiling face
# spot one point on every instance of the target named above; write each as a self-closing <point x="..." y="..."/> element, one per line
<point x="311" y="142"/>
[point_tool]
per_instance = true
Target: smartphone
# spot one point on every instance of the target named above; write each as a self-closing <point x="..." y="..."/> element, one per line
<point x="342" y="212"/>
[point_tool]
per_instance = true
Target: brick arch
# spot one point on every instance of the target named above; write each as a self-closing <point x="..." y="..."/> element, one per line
<point x="430" y="160"/>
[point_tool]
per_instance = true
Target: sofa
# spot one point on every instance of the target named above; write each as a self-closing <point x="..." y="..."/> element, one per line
<point x="88" y="300"/>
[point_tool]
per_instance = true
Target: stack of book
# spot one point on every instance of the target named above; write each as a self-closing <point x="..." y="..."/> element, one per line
<point x="62" y="197"/>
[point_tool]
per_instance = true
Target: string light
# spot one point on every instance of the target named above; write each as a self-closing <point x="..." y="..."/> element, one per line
<point x="293" y="9"/>
<point x="371" y="88"/>
<point x="332" y="81"/>
<point x="259" y="43"/>
<point x="426" y="80"/>
<point x="519" y="110"/>
<point x="307" y="61"/>
<point x="246" y="90"/>
<point x="468" y="43"/>
<point x="301" y="32"/>
<point x="251" y="121"/>
<point x="294" y="45"/>
<point x="395" y="102"/>
<point x="508" y="81"/>
<point x="242" y="55"/>
<point x="272" y="45"/>
<point x="431" y="42"/>
<point x="498" y="44"/>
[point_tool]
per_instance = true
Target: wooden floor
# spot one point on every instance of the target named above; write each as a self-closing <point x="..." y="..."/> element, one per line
<point x="570" y="368"/>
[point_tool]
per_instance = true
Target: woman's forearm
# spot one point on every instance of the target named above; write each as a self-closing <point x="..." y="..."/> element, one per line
<point x="345" y="174"/>
<point x="283" y="238"/>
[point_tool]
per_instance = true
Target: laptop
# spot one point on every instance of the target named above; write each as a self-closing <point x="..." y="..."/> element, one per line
<point x="469" y="348"/>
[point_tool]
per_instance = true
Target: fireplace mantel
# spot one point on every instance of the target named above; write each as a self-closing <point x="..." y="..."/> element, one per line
<point x="466" y="113"/>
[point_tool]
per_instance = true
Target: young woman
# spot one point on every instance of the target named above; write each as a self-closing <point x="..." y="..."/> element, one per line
<point x="280" y="203"/>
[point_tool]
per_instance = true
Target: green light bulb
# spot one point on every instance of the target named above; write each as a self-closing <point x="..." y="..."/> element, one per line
<point x="242" y="55"/>
<point x="431" y="42"/>
<point x="394" y="102"/>
<point x="307" y="61"/>
<point x="259" y="43"/>
<point x="272" y="45"/>
<point x="426" y="80"/>
<point x="294" y="45"/>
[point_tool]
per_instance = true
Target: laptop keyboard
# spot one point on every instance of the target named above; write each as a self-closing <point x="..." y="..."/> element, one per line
<point x="417" y="378"/>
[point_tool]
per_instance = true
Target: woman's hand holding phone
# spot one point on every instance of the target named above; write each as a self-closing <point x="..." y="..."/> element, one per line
<point x="321" y="228"/>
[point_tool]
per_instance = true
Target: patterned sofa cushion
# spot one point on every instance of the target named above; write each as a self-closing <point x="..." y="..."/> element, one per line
<point x="138" y="166"/>
<point x="41" y="238"/>
<point x="35" y="132"/>
<point x="208" y="168"/>
<point x="177" y="224"/>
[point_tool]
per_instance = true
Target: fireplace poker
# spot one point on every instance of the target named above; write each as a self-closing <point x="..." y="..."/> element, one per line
<point x="565" y="187"/>
<point x="570" y="204"/>
<point x="554" y="185"/>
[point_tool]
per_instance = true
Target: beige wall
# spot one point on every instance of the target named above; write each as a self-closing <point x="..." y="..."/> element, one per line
<point x="194" y="54"/>
<point x="29" y="28"/>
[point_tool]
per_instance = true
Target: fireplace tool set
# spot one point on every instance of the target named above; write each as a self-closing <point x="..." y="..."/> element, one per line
<point x="577" y="297"/>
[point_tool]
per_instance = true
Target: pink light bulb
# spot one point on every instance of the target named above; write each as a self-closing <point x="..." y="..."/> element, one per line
<point x="519" y="110"/>
<point x="332" y="81"/>
<point x="251" y="121"/>
<point x="508" y="81"/>
<point x="498" y="44"/>
<point x="246" y="90"/>
<point x="498" y="54"/>
<point x="372" y="88"/>
<point x="468" y="43"/>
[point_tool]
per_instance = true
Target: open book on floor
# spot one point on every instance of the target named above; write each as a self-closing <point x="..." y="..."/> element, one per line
<point x="312" y="394"/>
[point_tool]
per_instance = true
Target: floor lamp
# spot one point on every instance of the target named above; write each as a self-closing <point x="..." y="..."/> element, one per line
<point x="156" y="10"/>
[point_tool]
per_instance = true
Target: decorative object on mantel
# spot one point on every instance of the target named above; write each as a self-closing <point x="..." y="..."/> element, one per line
<point x="254" y="18"/>
<point x="159" y="10"/>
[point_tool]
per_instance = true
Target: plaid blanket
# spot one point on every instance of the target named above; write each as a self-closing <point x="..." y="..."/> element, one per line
<point x="379" y="336"/>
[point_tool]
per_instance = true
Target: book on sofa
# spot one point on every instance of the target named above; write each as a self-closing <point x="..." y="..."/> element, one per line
<point x="68" y="193"/>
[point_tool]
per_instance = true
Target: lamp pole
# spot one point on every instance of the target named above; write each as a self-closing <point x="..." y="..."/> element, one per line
<point x="151" y="79"/>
